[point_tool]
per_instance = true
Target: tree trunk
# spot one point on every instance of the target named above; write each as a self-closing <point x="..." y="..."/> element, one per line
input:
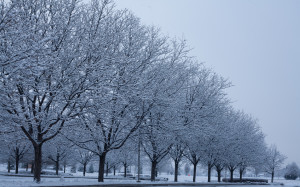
<point x="231" y="175"/>
<point x="32" y="166"/>
<point x="57" y="163"/>
<point x="37" y="163"/>
<point x="84" y="168"/>
<point x="8" y="166"/>
<point x="17" y="160"/>
<point x="219" y="175"/>
<point x="208" y="172"/>
<point x="125" y="169"/>
<point x="65" y="165"/>
<point x="153" y="169"/>
<point x="195" y="171"/>
<point x="241" y="175"/>
<point x="114" y="170"/>
<point x="107" y="169"/>
<point x="272" y="179"/>
<point x="176" y="171"/>
<point x="26" y="166"/>
<point x="101" y="167"/>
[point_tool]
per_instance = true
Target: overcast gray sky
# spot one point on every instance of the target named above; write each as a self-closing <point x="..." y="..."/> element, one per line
<point x="254" y="43"/>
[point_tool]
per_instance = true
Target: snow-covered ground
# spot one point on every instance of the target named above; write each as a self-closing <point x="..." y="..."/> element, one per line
<point x="287" y="182"/>
<point x="91" y="178"/>
<point x="28" y="181"/>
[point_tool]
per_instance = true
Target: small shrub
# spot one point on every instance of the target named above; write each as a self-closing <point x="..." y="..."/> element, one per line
<point x="290" y="177"/>
<point x="292" y="172"/>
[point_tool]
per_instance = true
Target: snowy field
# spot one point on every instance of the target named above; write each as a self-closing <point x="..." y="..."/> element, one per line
<point x="91" y="179"/>
<point x="28" y="181"/>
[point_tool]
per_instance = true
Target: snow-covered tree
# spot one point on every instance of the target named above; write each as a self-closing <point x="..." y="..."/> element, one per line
<point x="84" y="157"/>
<point x="57" y="150"/>
<point x="216" y="151"/>
<point x="164" y="120"/>
<point x="157" y="143"/>
<point x="204" y="96"/>
<point x="97" y="77"/>
<point x="213" y="141"/>
<point x="233" y="145"/>
<point x="177" y="154"/>
<point x="42" y="73"/>
<point x="15" y="146"/>
<point x="273" y="161"/>
<point x="251" y="143"/>
<point x="126" y="156"/>
<point x="193" y="155"/>
<point x="121" y="99"/>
